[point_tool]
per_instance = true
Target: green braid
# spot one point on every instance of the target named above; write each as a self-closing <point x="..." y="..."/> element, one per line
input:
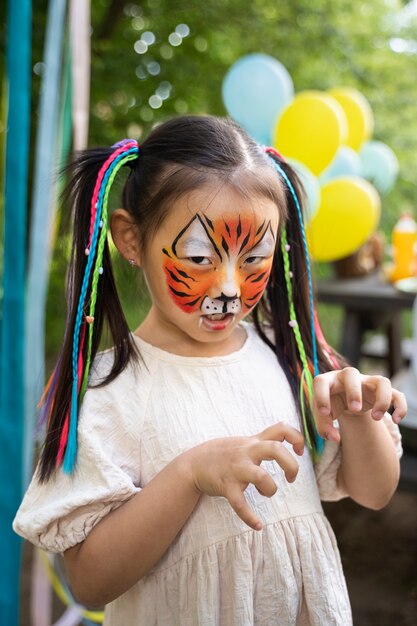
<point x="306" y="374"/>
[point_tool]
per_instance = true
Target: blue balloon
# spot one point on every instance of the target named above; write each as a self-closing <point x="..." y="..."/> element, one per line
<point x="255" y="90"/>
<point x="379" y="165"/>
<point x="311" y="187"/>
<point x="347" y="162"/>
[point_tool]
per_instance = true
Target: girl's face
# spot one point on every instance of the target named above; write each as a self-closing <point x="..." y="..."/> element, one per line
<point x="208" y="265"/>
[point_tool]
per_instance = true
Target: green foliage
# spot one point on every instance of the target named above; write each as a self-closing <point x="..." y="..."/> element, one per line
<point x="323" y="44"/>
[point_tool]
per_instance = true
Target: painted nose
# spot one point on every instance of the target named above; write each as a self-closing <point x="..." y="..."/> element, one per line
<point x="230" y="287"/>
<point x="230" y="290"/>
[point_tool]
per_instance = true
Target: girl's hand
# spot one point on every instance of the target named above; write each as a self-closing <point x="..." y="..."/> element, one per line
<point x="226" y="466"/>
<point x="349" y="394"/>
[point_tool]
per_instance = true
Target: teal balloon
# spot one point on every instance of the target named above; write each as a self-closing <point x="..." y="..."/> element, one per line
<point x="311" y="187"/>
<point x="255" y="90"/>
<point x="379" y="165"/>
<point x="347" y="162"/>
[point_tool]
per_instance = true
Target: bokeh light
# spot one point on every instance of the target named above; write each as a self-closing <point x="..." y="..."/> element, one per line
<point x="140" y="46"/>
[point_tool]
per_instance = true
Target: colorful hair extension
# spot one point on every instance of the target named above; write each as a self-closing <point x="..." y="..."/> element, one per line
<point x="325" y="346"/>
<point x="306" y="377"/>
<point x="125" y="151"/>
<point x="307" y="257"/>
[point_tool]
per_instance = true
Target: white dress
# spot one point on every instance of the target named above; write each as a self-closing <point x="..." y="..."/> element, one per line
<point x="218" y="572"/>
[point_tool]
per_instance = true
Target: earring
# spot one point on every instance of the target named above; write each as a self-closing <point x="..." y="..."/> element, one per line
<point x="132" y="262"/>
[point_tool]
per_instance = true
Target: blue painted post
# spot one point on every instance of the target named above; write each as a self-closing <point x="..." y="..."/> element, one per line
<point x="13" y="302"/>
<point x="41" y="221"/>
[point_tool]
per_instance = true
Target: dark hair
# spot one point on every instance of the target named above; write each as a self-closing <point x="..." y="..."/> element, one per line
<point x="273" y="311"/>
<point x="177" y="157"/>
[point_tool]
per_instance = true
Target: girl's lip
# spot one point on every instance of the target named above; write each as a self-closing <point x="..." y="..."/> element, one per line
<point x="215" y="325"/>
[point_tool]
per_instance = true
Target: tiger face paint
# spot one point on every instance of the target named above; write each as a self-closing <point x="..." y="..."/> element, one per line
<point x="219" y="267"/>
<point x="212" y="252"/>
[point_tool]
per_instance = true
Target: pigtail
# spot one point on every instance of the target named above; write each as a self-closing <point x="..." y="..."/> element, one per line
<point x="92" y="299"/>
<point x="299" y="343"/>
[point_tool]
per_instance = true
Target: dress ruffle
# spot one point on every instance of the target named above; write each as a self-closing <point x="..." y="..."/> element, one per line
<point x="288" y="574"/>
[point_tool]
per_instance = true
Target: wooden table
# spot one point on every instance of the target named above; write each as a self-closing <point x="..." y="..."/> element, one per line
<point x="369" y="303"/>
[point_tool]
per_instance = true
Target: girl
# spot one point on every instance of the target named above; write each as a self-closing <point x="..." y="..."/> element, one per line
<point x="183" y="493"/>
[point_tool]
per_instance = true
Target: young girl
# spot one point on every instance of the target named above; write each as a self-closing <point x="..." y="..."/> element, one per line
<point x="187" y="489"/>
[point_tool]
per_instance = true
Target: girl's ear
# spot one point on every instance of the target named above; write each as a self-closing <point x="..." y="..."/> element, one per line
<point x="125" y="235"/>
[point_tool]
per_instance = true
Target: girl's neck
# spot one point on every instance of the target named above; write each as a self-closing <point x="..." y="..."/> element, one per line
<point x="162" y="334"/>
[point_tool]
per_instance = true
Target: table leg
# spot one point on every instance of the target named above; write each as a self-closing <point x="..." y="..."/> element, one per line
<point x="395" y="356"/>
<point x="351" y="337"/>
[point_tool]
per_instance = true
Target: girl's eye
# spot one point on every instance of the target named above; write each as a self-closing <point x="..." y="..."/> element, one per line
<point x="200" y="260"/>
<point x="253" y="259"/>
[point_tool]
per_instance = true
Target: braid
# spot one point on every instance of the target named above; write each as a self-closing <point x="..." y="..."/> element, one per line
<point x="307" y="257"/>
<point x="98" y="223"/>
<point x="306" y="376"/>
<point x="303" y="371"/>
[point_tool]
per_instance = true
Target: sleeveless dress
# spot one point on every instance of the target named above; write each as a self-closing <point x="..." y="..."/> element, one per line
<point x="217" y="572"/>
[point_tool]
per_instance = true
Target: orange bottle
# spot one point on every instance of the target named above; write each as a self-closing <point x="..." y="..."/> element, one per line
<point x="404" y="237"/>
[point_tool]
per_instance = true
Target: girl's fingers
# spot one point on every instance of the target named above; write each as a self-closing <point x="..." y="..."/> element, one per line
<point x="324" y="423"/>
<point x="352" y="381"/>
<point x="321" y="394"/>
<point x="322" y="406"/>
<point x="400" y="406"/>
<point x="283" y="432"/>
<point x="262" y="480"/>
<point x="348" y="381"/>
<point x="240" y="506"/>
<point x="383" y="395"/>
<point x="274" y="451"/>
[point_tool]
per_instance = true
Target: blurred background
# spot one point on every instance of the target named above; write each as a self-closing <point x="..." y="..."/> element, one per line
<point x="154" y="59"/>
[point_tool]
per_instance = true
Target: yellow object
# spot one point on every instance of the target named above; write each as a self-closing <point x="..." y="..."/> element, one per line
<point x="94" y="616"/>
<point x="404" y="236"/>
<point x="348" y="214"/>
<point x="311" y="129"/>
<point x="358" y="114"/>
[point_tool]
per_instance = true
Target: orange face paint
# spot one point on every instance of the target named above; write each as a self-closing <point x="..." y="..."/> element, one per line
<point x="219" y="266"/>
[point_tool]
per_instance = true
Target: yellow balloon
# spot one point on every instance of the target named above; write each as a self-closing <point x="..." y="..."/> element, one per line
<point x="311" y="129"/>
<point x="358" y="113"/>
<point x="348" y="214"/>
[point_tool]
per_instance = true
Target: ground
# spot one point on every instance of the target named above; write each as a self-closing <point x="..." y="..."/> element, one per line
<point x="379" y="554"/>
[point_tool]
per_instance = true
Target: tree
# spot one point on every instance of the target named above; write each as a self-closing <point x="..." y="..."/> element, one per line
<point x="143" y="70"/>
<point x="152" y="59"/>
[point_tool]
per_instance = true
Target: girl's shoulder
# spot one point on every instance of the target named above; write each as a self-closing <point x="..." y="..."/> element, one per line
<point x="104" y="362"/>
<point x="120" y="399"/>
<point x="135" y="378"/>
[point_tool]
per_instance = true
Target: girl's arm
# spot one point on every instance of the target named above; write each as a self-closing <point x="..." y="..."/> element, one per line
<point x="125" y="544"/>
<point x="369" y="470"/>
<point x="130" y="540"/>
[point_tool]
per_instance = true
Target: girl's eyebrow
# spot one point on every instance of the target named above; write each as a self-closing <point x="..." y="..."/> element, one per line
<point x="264" y="245"/>
<point x="195" y="246"/>
<point x="267" y="240"/>
<point x="194" y="241"/>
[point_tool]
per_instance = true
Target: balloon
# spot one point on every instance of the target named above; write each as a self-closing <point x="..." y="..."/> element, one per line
<point x="358" y="113"/>
<point x="379" y="165"/>
<point x="311" y="187"/>
<point x="255" y="90"/>
<point x="311" y="129"/>
<point x="348" y="214"/>
<point x="347" y="162"/>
